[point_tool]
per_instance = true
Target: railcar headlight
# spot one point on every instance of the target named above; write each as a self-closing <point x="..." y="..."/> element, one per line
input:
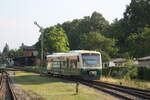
<point x="92" y="73"/>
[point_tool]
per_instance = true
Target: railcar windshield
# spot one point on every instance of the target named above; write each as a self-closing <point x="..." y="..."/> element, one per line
<point x="91" y="59"/>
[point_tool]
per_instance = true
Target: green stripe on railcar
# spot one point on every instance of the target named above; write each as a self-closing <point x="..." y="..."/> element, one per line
<point x="66" y="71"/>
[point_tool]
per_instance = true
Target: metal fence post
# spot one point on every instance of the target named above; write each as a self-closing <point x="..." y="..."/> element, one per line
<point x="77" y="87"/>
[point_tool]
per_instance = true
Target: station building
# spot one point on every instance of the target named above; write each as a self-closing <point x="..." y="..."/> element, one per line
<point x="29" y="57"/>
<point x="144" y="61"/>
<point x="115" y="62"/>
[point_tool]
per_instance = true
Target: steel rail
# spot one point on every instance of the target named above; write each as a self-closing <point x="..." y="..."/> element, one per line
<point x="14" y="97"/>
<point x="126" y="87"/>
<point x="143" y="95"/>
<point x="114" y="93"/>
<point x="1" y="80"/>
<point x="133" y="91"/>
<point x="9" y="83"/>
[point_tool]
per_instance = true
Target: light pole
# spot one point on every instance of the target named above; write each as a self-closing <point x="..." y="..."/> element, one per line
<point x="42" y="37"/>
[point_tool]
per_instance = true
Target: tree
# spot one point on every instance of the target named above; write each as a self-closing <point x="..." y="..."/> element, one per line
<point x="137" y="15"/>
<point x="55" y="40"/>
<point x="76" y="28"/>
<point x="98" y="22"/>
<point x="5" y="50"/>
<point x="145" y="43"/>
<point x="133" y="44"/>
<point x="11" y="53"/>
<point x="73" y="32"/>
<point x="139" y="45"/>
<point x="117" y="31"/>
<point x="96" y="41"/>
<point x="19" y="52"/>
<point x="136" y="18"/>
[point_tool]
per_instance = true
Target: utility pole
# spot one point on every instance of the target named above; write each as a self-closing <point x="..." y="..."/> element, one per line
<point x="42" y="37"/>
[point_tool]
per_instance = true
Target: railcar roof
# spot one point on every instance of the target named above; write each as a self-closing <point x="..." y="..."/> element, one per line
<point x="71" y="53"/>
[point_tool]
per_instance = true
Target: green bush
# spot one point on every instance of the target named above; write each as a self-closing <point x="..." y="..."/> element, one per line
<point x="132" y="73"/>
<point x="144" y="73"/>
<point x="127" y="72"/>
<point x="117" y="72"/>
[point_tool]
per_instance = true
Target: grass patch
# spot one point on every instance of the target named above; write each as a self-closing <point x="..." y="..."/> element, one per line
<point x="57" y="89"/>
<point x="132" y="76"/>
<point x="132" y="83"/>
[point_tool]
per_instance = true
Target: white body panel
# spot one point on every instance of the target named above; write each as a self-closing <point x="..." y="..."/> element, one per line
<point x="71" y="55"/>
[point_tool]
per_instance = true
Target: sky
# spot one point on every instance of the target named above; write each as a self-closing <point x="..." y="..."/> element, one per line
<point x="17" y="16"/>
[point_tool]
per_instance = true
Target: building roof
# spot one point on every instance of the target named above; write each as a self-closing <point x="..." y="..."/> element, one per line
<point x="144" y="58"/>
<point x="25" y="47"/>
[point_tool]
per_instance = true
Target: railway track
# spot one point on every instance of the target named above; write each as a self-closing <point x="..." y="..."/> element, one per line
<point x="6" y="89"/>
<point x="123" y="92"/>
<point x="145" y="94"/>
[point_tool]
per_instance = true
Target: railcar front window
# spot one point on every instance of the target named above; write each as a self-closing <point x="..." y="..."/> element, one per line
<point x="91" y="59"/>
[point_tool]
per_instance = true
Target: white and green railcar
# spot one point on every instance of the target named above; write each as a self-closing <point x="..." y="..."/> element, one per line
<point x="79" y="63"/>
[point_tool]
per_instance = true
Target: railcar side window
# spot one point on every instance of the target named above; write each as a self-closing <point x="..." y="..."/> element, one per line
<point x="56" y="64"/>
<point x="74" y="63"/>
<point x="64" y="64"/>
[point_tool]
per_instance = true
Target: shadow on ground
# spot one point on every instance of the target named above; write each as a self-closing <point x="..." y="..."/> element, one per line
<point x="36" y="79"/>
